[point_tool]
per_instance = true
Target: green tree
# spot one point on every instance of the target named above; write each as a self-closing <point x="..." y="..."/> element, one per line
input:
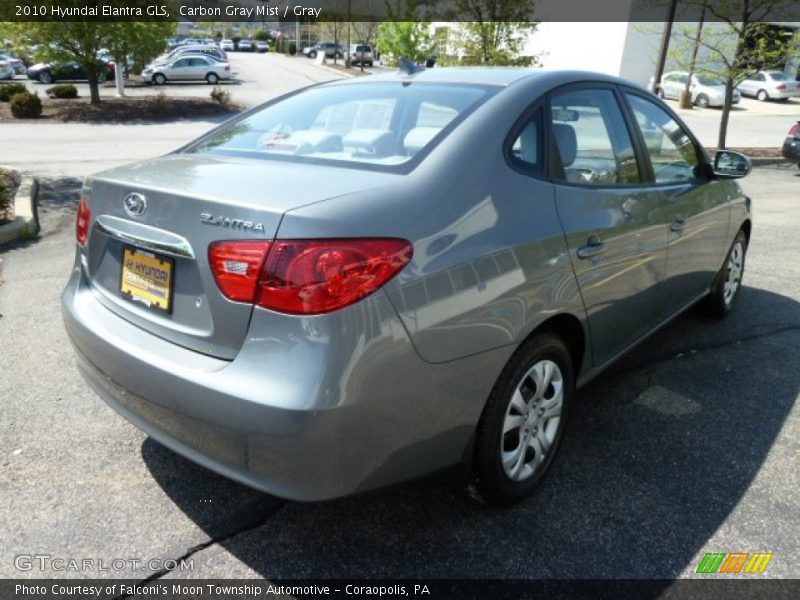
<point x="81" y="41"/>
<point x="736" y="43"/>
<point x="495" y="31"/>
<point x="410" y="39"/>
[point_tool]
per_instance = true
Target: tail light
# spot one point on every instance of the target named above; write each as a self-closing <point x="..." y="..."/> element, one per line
<point x="794" y="130"/>
<point x="82" y="222"/>
<point x="227" y="67"/>
<point x="306" y="277"/>
<point x="781" y="87"/>
<point x="236" y="267"/>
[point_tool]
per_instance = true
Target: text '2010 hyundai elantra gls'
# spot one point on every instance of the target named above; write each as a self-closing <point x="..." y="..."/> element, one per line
<point x="371" y="280"/>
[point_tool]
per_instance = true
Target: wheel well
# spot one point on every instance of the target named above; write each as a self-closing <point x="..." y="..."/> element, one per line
<point x="746" y="226"/>
<point x="569" y="328"/>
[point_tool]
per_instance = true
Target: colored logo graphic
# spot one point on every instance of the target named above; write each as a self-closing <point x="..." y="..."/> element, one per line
<point x="734" y="563"/>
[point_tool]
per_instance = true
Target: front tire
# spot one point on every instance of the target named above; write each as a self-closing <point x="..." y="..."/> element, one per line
<point x="702" y="101"/>
<point x="660" y="93"/>
<point x="312" y="54"/>
<point x="159" y="79"/>
<point x="722" y="297"/>
<point x="46" y="77"/>
<point x="524" y="419"/>
<point x="762" y="95"/>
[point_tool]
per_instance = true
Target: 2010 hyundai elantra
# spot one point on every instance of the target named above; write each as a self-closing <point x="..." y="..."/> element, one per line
<point x="370" y="280"/>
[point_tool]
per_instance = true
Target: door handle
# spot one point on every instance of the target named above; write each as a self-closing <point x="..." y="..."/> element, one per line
<point x="592" y="248"/>
<point x="677" y="225"/>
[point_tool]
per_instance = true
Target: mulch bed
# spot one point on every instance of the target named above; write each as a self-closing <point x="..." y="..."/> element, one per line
<point x="752" y="152"/>
<point x="125" y="110"/>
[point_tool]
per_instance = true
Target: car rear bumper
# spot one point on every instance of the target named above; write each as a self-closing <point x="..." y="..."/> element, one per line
<point x="310" y="409"/>
<point x="791" y="148"/>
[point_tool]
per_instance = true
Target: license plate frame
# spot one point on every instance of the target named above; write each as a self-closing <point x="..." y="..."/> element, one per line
<point x="147" y="287"/>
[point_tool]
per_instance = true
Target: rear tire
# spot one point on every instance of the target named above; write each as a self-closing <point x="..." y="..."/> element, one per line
<point x="702" y="101"/>
<point x="524" y="419"/>
<point x="660" y="93"/>
<point x="212" y="78"/>
<point x="721" y="300"/>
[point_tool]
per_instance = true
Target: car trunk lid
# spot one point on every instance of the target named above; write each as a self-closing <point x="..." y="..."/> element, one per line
<point x="149" y="264"/>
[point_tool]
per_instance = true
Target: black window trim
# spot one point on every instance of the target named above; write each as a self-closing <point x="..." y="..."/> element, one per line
<point x="516" y="130"/>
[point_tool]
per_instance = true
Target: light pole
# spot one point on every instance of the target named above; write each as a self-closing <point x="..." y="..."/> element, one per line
<point x="662" y="53"/>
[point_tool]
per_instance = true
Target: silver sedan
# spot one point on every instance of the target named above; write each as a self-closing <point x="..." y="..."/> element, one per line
<point x="770" y="85"/>
<point x="374" y="279"/>
<point x="188" y="68"/>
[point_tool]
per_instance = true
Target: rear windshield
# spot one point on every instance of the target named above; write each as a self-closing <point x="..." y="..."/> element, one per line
<point x="382" y="125"/>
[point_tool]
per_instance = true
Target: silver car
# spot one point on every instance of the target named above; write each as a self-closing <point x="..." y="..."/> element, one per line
<point x="770" y="85"/>
<point x="374" y="279"/>
<point x="706" y="91"/>
<point x="188" y="67"/>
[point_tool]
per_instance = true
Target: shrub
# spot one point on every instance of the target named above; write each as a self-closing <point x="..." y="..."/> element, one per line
<point x="221" y="96"/>
<point x="5" y="196"/>
<point x="158" y="103"/>
<point x="292" y="48"/>
<point x="26" y="106"/>
<point x="9" y="89"/>
<point x="65" y="90"/>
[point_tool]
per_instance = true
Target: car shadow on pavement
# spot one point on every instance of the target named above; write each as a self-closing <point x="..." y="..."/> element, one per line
<point x="659" y="451"/>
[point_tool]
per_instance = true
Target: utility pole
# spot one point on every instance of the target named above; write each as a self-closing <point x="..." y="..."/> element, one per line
<point x="662" y="53"/>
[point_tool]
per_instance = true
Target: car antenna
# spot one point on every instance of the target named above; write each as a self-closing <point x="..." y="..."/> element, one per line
<point x="409" y="67"/>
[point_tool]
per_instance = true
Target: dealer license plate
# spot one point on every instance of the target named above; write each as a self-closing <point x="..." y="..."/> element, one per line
<point x="147" y="278"/>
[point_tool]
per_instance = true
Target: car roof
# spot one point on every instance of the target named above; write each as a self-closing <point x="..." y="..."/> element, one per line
<point x="494" y="76"/>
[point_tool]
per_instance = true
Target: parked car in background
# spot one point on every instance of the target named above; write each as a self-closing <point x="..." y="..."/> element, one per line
<point x="261" y="46"/>
<point x="194" y="49"/>
<point x="227" y="45"/>
<point x="69" y="71"/>
<point x="197" y="42"/>
<point x="16" y="63"/>
<point x="791" y="145"/>
<point x="245" y="46"/>
<point x="374" y="279"/>
<point x="706" y="91"/>
<point x="770" y="85"/>
<point x="330" y="49"/>
<point x="188" y="68"/>
<point x="6" y="70"/>
<point x="361" y="54"/>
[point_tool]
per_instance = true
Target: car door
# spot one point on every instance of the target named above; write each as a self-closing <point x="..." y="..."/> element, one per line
<point x="696" y="205"/>
<point x="671" y="86"/>
<point x="197" y="69"/>
<point x="613" y="222"/>
<point x="749" y="86"/>
<point x="180" y="69"/>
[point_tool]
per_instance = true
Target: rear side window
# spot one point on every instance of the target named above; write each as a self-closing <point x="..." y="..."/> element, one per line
<point x="593" y="142"/>
<point x="526" y="149"/>
<point x="380" y="124"/>
<point x="672" y="152"/>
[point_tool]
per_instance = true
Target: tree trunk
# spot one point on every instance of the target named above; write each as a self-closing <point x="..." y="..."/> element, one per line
<point x="94" y="86"/>
<point x="726" y="111"/>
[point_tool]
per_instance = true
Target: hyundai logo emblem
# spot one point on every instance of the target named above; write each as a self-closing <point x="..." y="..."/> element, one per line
<point x="135" y="204"/>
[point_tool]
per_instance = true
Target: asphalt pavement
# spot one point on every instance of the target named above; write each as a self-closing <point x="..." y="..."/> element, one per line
<point x="689" y="445"/>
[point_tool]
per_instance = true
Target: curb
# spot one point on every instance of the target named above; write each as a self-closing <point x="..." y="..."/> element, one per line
<point x="766" y="161"/>
<point x="26" y="220"/>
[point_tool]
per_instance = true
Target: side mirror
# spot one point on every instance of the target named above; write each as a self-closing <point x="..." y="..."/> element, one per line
<point x="731" y="165"/>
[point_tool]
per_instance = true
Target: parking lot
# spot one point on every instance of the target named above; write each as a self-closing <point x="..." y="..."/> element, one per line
<point x="689" y="445"/>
